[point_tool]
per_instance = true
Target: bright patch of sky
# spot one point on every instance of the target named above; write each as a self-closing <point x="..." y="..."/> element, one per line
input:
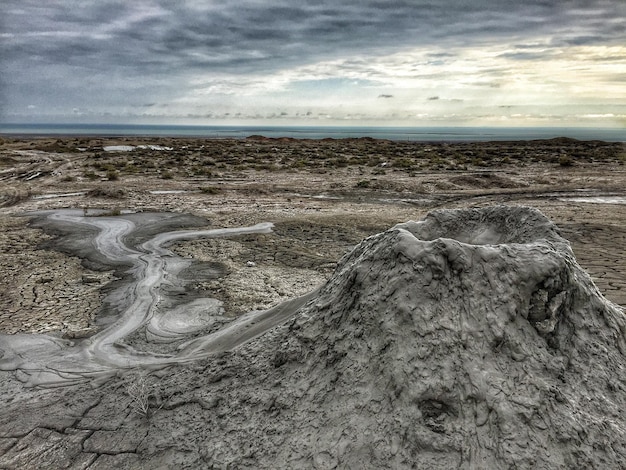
<point x="486" y="62"/>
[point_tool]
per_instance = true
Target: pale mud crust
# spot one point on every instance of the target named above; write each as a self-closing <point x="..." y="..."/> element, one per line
<point x="265" y="269"/>
<point x="601" y="249"/>
<point x="248" y="285"/>
<point x="42" y="289"/>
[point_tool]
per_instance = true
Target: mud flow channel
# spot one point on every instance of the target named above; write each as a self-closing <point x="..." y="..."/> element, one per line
<point x="46" y="360"/>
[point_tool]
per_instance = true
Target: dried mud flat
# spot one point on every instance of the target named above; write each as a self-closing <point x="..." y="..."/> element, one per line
<point x="323" y="198"/>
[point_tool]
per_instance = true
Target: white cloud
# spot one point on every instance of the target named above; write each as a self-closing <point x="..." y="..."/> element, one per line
<point x="470" y="84"/>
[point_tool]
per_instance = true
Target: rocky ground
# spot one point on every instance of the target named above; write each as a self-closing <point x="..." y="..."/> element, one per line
<point x="323" y="197"/>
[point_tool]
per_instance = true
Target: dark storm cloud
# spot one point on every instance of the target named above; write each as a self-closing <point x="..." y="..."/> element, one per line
<point x="146" y="33"/>
<point x="160" y="42"/>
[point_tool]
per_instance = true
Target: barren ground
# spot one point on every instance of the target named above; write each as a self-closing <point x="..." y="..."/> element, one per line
<point x="323" y="197"/>
<point x="238" y="409"/>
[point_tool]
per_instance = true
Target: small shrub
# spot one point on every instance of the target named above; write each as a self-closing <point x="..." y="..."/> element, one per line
<point x="406" y="163"/>
<point x="566" y="160"/>
<point x="200" y="171"/>
<point x="139" y="390"/>
<point x="113" y="175"/>
<point x="210" y="190"/>
<point x="114" y="212"/>
<point x="131" y="168"/>
<point x="340" y="162"/>
<point x="112" y="193"/>
<point x="363" y="184"/>
<point x="298" y="164"/>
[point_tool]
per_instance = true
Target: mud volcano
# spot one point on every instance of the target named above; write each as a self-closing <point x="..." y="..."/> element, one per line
<point x="471" y="339"/>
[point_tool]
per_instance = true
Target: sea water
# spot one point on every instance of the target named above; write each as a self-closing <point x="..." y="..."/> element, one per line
<point x="425" y="134"/>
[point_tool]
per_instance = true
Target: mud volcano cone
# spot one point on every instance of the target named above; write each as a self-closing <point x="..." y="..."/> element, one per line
<point x="471" y="339"/>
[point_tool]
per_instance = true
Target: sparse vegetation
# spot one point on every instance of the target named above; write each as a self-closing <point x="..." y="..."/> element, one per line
<point x="200" y="159"/>
<point x="140" y="390"/>
<point x="111" y="193"/>
<point x="91" y="212"/>
<point x="90" y="175"/>
<point x="210" y="190"/>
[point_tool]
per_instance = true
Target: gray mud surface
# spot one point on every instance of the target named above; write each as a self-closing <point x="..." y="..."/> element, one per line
<point x="471" y="339"/>
<point x="149" y="300"/>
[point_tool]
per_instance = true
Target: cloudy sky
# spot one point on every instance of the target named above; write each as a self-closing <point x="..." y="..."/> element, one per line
<point x="315" y="62"/>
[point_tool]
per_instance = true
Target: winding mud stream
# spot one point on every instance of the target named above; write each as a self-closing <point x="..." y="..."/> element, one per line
<point x="45" y="360"/>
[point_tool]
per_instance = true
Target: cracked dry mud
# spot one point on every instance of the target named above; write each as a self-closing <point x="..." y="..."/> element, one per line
<point x="238" y="409"/>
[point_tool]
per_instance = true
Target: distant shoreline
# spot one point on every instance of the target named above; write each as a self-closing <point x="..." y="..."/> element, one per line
<point x="421" y="134"/>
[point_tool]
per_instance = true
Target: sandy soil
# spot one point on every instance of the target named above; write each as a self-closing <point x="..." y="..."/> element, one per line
<point x="323" y="197"/>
